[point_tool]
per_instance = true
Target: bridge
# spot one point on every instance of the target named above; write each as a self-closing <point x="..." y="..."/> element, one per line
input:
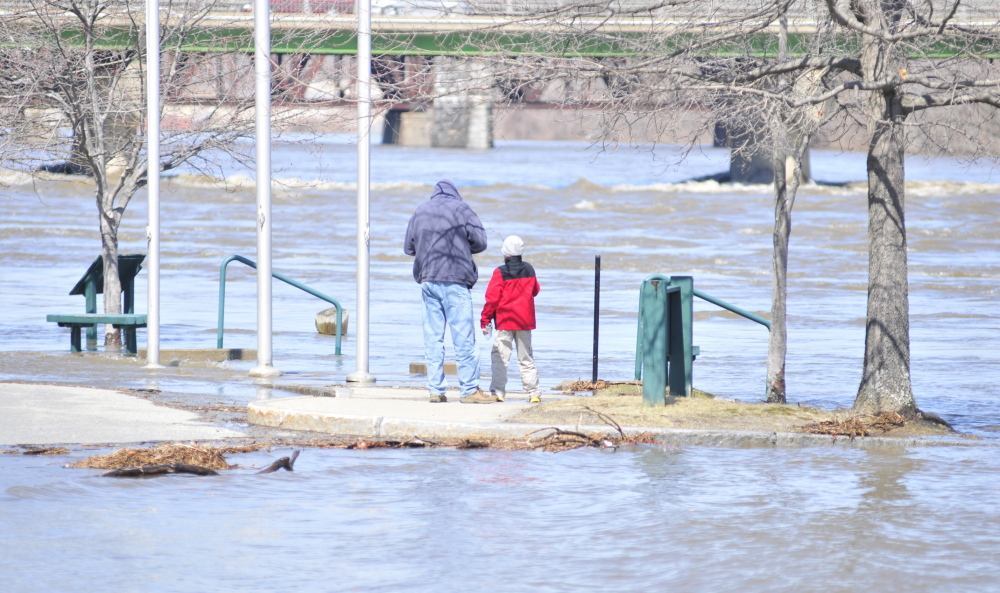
<point x="435" y="92"/>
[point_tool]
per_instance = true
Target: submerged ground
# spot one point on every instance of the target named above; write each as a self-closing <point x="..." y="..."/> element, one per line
<point x="640" y="518"/>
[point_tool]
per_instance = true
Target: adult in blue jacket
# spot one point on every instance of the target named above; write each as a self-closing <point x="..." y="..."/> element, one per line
<point x="442" y="235"/>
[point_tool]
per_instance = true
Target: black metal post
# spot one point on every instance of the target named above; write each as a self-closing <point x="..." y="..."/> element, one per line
<point x="597" y="309"/>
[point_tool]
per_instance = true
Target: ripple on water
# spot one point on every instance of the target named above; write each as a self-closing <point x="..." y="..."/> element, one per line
<point x="643" y="518"/>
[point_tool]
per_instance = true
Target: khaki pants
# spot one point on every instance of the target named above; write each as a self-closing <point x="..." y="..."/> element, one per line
<point x="503" y="345"/>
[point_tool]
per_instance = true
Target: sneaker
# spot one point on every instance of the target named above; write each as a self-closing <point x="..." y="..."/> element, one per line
<point x="499" y="396"/>
<point x="438" y="398"/>
<point x="534" y="399"/>
<point x="479" y="398"/>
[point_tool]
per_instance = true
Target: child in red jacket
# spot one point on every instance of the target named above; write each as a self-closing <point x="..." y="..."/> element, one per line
<point x="510" y="302"/>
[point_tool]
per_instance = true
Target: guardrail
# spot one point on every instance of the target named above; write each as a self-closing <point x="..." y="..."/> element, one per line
<point x="286" y="280"/>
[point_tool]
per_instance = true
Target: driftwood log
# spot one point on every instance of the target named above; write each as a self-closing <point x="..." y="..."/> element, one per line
<point x="285" y="463"/>
<point x="159" y="470"/>
<point x="148" y="471"/>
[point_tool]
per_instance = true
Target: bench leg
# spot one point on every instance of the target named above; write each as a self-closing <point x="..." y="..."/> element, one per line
<point x="74" y="338"/>
<point x="130" y="342"/>
<point x="90" y="292"/>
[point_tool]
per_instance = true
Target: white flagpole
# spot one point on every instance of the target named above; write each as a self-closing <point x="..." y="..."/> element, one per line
<point x="262" y="112"/>
<point x="153" y="184"/>
<point x="361" y="372"/>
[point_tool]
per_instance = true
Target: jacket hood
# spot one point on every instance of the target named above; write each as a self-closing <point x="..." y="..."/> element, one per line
<point x="446" y="189"/>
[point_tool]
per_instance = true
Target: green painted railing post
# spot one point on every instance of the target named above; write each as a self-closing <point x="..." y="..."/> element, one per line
<point x="651" y="340"/>
<point x="680" y="350"/>
<point x="222" y="299"/>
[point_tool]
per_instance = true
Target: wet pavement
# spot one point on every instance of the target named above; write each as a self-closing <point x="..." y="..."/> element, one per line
<point x="51" y="414"/>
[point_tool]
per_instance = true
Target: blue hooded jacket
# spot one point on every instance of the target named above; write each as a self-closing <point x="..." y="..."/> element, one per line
<point x="443" y="234"/>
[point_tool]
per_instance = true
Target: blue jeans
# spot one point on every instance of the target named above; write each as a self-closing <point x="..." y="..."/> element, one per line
<point x="449" y="303"/>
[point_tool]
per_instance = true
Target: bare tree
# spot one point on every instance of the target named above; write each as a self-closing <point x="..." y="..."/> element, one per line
<point x="73" y="84"/>
<point x="877" y="64"/>
<point x="777" y="71"/>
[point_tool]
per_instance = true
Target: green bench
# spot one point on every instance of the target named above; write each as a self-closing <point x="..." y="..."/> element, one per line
<point x="90" y="320"/>
<point x="91" y="285"/>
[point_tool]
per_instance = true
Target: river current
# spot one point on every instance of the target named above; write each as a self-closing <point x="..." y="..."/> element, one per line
<point x="635" y="520"/>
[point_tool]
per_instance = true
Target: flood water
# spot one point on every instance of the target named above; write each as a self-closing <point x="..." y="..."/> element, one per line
<point x="569" y="203"/>
<point x="650" y="519"/>
<point x="636" y="520"/>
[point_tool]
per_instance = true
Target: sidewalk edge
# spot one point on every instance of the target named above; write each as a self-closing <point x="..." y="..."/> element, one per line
<point x="379" y="427"/>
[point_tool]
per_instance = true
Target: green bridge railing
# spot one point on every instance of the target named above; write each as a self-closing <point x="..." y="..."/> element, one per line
<point x="283" y="278"/>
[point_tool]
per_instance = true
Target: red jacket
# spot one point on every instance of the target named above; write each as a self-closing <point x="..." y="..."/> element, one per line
<point x="510" y="296"/>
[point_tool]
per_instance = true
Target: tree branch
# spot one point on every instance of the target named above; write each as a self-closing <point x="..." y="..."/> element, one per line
<point x="851" y="22"/>
<point x="919" y="103"/>
<point x="852" y="65"/>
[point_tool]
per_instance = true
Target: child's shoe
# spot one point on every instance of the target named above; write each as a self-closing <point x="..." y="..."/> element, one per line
<point x="534" y="399"/>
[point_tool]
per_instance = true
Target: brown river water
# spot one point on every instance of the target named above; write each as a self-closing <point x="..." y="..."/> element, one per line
<point x="635" y="520"/>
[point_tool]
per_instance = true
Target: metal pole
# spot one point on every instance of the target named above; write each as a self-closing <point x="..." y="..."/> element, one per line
<point x="262" y="112"/>
<point x="597" y="309"/>
<point x="153" y="184"/>
<point x="364" y="8"/>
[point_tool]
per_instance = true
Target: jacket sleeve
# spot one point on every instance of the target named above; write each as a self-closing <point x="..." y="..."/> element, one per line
<point x="476" y="233"/>
<point x="538" y="288"/>
<point x="410" y="241"/>
<point x="493" y="293"/>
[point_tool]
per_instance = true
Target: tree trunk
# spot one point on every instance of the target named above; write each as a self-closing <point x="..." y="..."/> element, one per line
<point x="112" y="283"/>
<point x="78" y="163"/>
<point x="885" y="381"/>
<point x="785" y="187"/>
<point x="777" y="343"/>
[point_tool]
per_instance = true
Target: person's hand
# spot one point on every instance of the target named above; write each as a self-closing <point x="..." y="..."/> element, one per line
<point x="486" y="330"/>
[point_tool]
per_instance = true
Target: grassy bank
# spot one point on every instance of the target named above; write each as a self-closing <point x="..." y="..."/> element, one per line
<point x="622" y="402"/>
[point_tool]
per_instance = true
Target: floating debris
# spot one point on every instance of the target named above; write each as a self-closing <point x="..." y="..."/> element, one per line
<point x="180" y="459"/>
<point x="285" y="463"/>
<point x="170" y="454"/>
<point x="36" y="451"/>
<point x="565" y="440"/>
<point x="150" y="471"/>
<point x="857" y="426"/>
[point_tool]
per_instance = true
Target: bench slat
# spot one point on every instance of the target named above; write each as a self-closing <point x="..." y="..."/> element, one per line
<point x="128" y="321"/>
<point x="91" y="318"/>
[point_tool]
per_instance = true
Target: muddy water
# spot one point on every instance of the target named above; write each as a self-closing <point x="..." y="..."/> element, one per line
<point x="649" y="519"/>
<point x="637" y="520"/>
<point x="569" y="204"/>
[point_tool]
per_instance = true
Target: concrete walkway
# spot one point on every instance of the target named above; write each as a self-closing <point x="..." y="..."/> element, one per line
<point x="394" y="413"/>
<point x="39" y="414"/>
<point x="387" y="412"/>
<point x="50" y="415"/>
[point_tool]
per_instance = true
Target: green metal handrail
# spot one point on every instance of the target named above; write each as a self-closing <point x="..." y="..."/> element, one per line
<point x="716" y="301"/>
<point x="733" y="308"/>
<point x="702" y="295"/>
<point x="283" y="278"/>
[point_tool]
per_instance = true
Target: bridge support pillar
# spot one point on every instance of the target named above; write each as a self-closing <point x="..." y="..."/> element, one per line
<point x="407" y="128"/>
<point x="462" y="115"/>
<point x="751" y="157"/>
